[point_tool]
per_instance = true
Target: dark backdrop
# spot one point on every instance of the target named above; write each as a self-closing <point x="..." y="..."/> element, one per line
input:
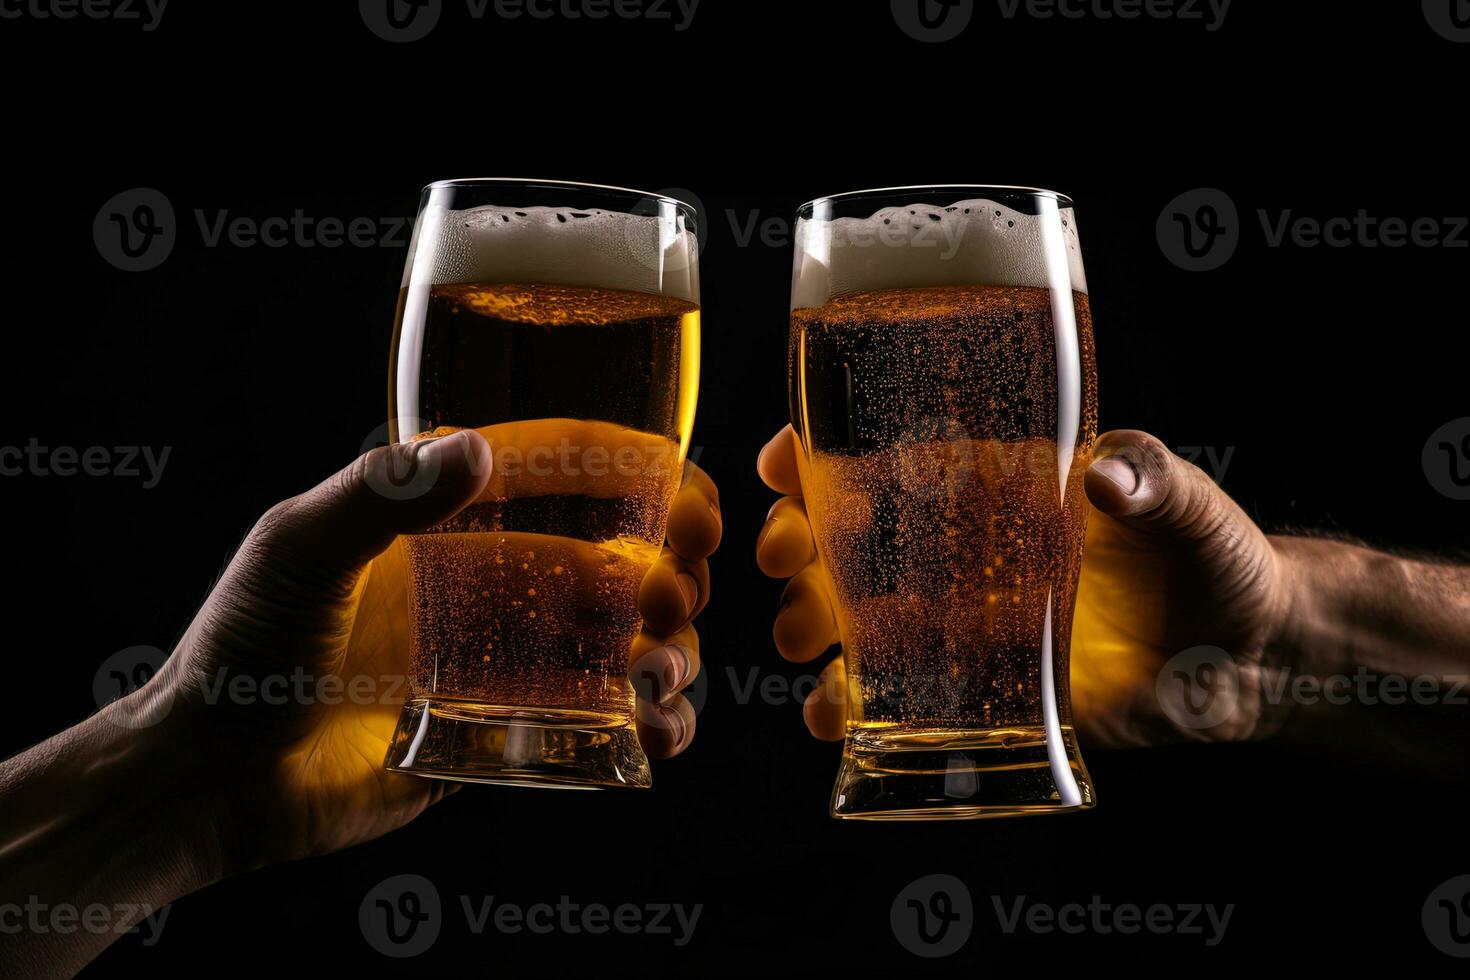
<point x="1323" y="370"/>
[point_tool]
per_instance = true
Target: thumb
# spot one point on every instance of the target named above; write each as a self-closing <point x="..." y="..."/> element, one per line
<point x="336" y="528"/>
<point x="1139" y="483"/>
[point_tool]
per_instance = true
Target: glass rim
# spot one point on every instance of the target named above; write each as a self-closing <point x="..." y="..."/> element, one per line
<point x="569" y="185"/>
<point x="1062" y="199"/>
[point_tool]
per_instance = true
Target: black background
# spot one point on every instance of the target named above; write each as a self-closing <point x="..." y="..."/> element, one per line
<point x="264" y="369"/>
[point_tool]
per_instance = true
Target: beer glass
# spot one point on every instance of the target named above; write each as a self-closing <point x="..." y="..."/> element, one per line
<point x="943" y="389"/>
<point x="560" y="321"/>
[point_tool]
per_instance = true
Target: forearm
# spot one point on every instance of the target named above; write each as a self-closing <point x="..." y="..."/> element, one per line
<point x="1356" y="610"/>
<point x="99" y="830"/>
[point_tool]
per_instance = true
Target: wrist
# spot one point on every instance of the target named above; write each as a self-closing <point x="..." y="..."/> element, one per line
<point x="103" y="815"/>
<point x="1322" y="632"/>
<point x="1290" y="634"/>
<point x="153" y="784"/>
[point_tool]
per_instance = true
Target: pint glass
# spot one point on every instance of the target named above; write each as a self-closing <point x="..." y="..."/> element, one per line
<point x="943" y="389"/>
<point x="560" y="321"/>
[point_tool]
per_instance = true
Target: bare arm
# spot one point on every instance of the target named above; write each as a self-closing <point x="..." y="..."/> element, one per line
<point x="102" y="828"/>
<point x="1353" y="607"/>
<point x="172" y="787"/>
<point x="1321" y="641"/>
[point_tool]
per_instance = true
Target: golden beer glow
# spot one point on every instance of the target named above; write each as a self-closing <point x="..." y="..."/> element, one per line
<point x="527" y="597"/>
<point x="932" y="478"/>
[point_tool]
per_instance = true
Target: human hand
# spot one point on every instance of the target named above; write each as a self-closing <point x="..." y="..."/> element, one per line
<point x="1170" y="562"/>
<point x="315" y="591"/>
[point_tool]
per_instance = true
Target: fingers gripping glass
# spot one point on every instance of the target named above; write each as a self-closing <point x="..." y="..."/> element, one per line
<point x="944" y="393"/>
<point x="561" y="322"/>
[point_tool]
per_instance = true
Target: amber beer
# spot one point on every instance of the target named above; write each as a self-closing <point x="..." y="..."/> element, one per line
<point x="945" y="431"/>
<point x="523" y="607"/>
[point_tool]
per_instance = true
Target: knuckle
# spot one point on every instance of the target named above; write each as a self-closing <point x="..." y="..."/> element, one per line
<point x="275" y="524"/>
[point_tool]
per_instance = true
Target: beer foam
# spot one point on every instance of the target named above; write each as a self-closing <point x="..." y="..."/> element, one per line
<point x="974" y="242"/>
<point x="555" y="246"/>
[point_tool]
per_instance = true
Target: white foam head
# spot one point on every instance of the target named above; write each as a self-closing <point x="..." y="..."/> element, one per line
<point x="972" y="242"/>
<point x="560" y="246"/>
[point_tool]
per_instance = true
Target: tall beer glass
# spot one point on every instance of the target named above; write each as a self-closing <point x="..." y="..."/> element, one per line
<point x="943" y="388"/>
<point x="561" y="321"/>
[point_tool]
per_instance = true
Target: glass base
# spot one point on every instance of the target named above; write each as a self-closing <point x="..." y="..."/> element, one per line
<point x="549" y="748"/>
<point x="893" y="774"/>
